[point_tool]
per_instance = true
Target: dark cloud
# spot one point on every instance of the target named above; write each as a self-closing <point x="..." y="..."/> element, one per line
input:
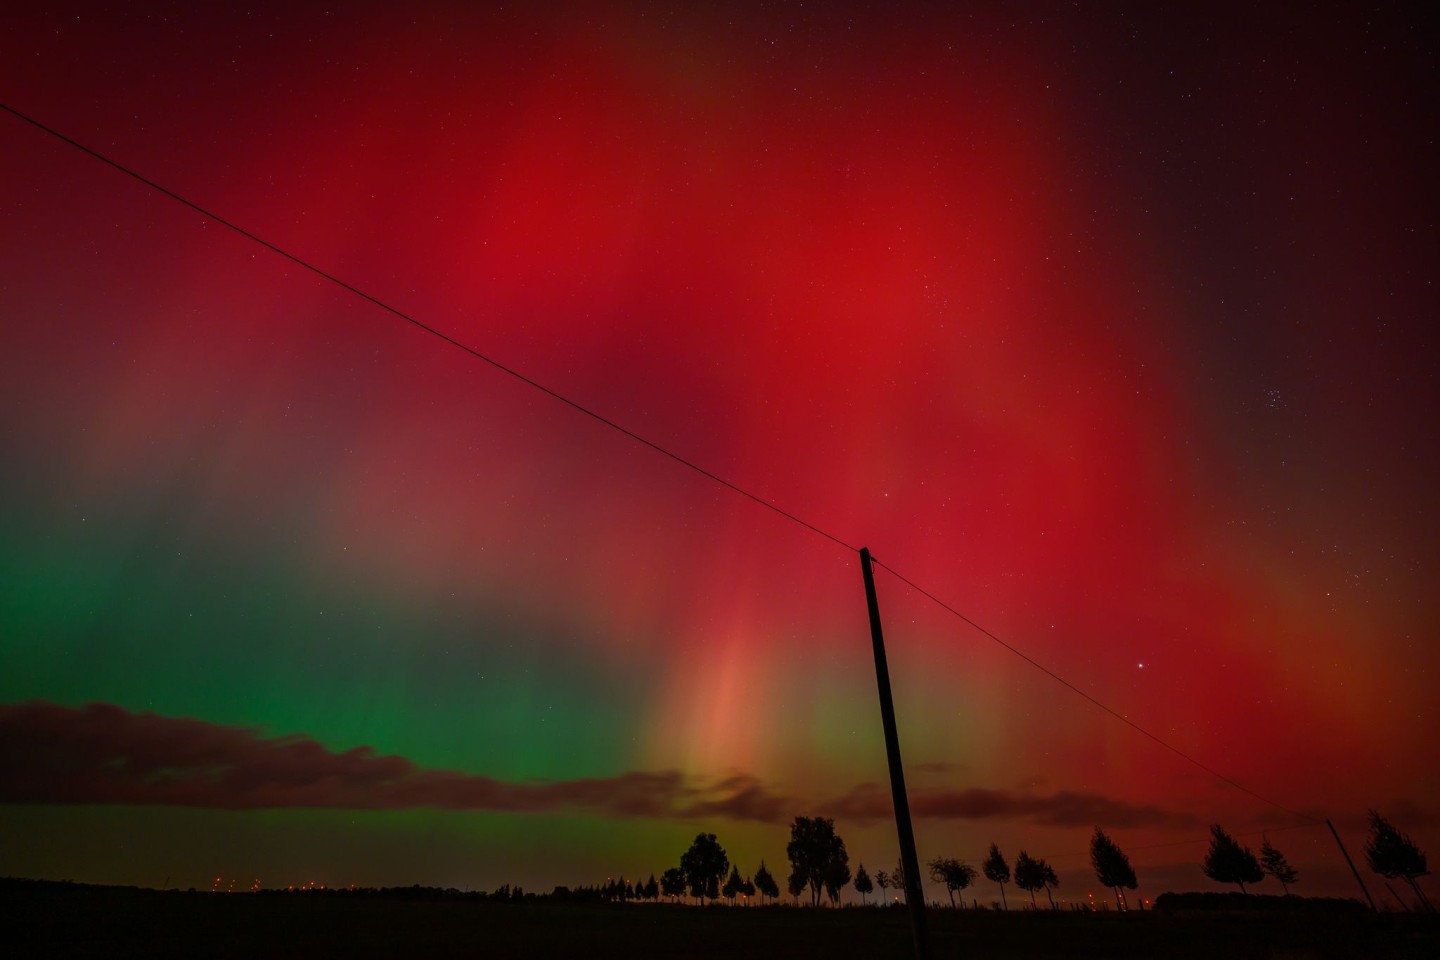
<point x="1065" y="808"/>
<point x="743" y="798"/>
<point x="104" y="754"/>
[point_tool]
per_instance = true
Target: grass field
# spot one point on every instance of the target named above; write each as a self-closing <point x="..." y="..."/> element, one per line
<point x="57" y="920"/>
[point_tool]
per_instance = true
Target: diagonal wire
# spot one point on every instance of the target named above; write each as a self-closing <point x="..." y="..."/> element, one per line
<point x="1066" y="683"/>
<point x="351" y="288"/>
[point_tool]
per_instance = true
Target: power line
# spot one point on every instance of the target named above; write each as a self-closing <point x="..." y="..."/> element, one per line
<point x="393" y="311"/>
<point x="1061" y="680"/>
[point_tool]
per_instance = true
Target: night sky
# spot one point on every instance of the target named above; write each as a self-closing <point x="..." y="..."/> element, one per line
<point x="1114" y="331"/>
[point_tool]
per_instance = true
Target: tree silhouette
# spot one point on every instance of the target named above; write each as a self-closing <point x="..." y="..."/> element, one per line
<point x="703" y="865"/>
<point x="837" y="875"/>
<point x="897" y="876"/>
<point x="1112" y="867"/>
<point x="1030" y="874"/>
<point x="1051" y="881"/>
<point x="796" y="885"/>
<point x="1273" y="862"/>
<point x="1229" y="862"/>
<point x="997" y="870"/>
<point x="955" y="874"/>
<point x="883" y="879"/>
<point x="672" y="882"/>
<point x="863" y="886"/>
<point x="1394" y="855"/>
<point x="733" y="885"/>
<point x="765" y="882"/>
<point x="818" y="855"/>
<point x="747" y="889"/>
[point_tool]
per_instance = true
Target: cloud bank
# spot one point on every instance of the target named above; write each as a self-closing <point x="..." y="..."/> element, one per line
<point x="1066" y="808"/>
<point x="105" y="754"/>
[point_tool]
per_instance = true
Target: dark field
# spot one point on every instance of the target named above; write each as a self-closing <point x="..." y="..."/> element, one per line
<point x="56" y="920"/>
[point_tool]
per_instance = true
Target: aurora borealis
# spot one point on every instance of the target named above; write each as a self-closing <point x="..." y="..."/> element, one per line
<point x="1115" y="331"/>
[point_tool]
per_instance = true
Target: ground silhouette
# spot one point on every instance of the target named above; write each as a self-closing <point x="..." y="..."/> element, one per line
<point x="56" y="920"/>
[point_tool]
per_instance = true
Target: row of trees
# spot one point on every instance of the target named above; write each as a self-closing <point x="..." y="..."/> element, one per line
<point x="1031" y="874"/>
<point x="1227" y="861"/>
<point x="1388" y="852"/>
<point x="820" y="864"/>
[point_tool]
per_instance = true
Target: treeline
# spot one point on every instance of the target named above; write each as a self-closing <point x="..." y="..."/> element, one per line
<point x="820" y="870"/>
<point x="503" y="894"/>
<point x="820" y="867"/>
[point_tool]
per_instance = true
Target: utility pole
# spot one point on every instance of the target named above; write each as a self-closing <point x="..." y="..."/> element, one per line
<point x="1346" y="854"/>
<point x="914" y="896"/>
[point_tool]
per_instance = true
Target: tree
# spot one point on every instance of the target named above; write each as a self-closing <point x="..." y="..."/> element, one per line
<point x="955" y="874"/>
<point x="703" y="865"/>
<point x="765" y="882"/>
<point x="837" y="875"/>
<point x="883" y="879"/>
<point x="863" y="886"/>
<point x="1112" y="867"/>
<point x="1050" y="881"/>
<point x="747" y="889"/>
<point x="997" y="870"/>
<point x="1394" y="855"/>
<point x="1229" y="862"/>
<point x="733" y="885"/>
<point x="1029" y="875"/>
<point x="796" y="885"/>
<point x="897" y="876"/>
<point x="1273" y="862"/>
<point x="672" y="883"/>
<point x="818" y="855"/>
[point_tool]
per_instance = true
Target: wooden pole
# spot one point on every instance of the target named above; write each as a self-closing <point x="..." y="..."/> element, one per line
<point x="1346" y="854"/>
<point x="909" y="861"/>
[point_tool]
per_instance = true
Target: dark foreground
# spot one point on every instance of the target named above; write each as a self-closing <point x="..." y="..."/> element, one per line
<point x="58" y="920"/>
